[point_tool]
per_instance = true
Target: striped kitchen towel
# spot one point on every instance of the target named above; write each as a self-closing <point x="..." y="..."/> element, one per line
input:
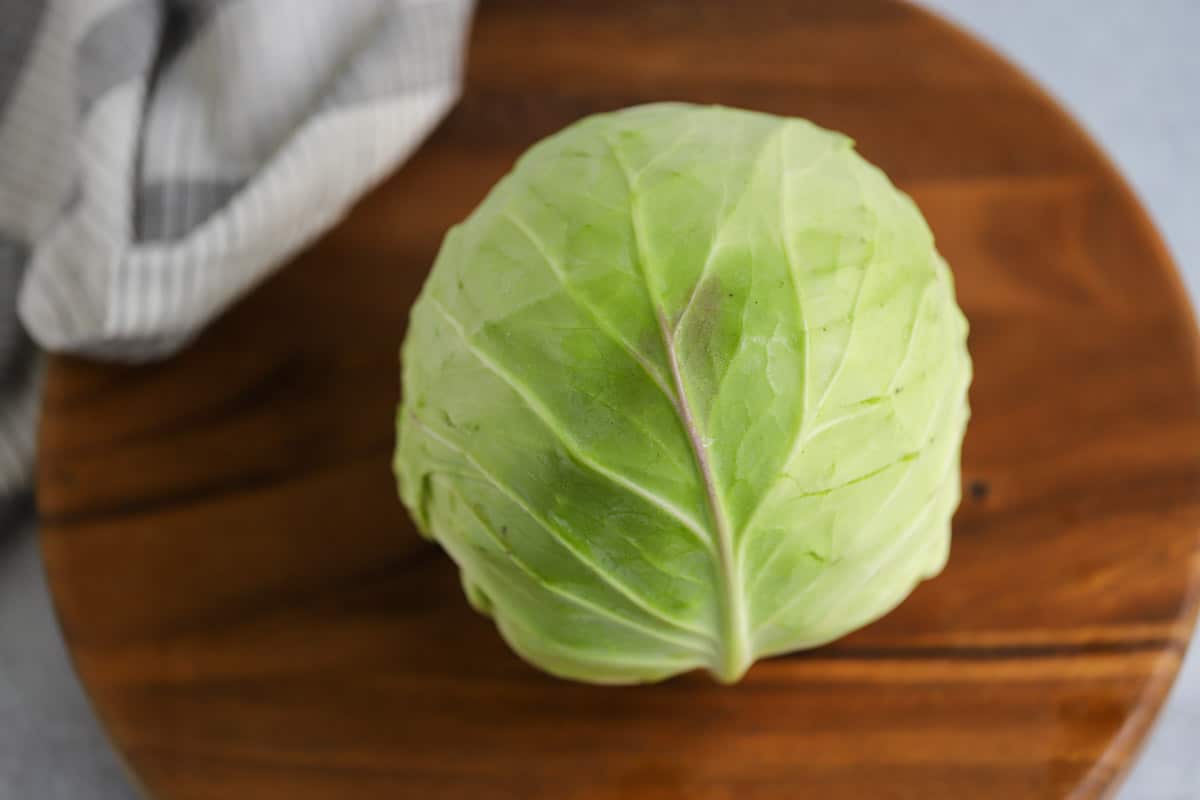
<point x="160" y="157"/>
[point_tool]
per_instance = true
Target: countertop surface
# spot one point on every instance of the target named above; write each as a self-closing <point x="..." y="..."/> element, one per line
<point x="1127" y="71"/>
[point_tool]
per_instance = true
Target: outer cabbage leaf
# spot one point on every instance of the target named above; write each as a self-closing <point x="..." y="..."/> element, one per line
<point x="687" y="389"/>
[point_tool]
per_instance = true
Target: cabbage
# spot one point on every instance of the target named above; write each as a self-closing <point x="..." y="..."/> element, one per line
<point x="687" y="389"/>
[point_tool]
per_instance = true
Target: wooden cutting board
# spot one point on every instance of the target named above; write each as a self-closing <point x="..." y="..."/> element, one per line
<point x="254" y="616"/>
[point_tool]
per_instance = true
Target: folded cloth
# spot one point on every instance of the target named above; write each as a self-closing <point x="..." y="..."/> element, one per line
<point x="160" y="157"/>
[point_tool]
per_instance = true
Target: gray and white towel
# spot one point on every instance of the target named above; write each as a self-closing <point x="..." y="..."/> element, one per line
<point x="160" y="157"/>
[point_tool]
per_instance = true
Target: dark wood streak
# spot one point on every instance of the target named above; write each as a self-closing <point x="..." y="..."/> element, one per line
<point x="274" y="603"/>
<point x="1009" y="652"/>
<point x="265" y="388"/>
<point x="254" y="616"/>
<point x="244" y="483"/>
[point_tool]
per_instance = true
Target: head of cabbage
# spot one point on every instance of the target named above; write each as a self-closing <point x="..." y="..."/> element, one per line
<point x="686" y="390"/>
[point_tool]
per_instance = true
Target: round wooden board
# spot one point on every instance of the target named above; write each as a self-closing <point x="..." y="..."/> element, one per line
<point x="254" y="616"/>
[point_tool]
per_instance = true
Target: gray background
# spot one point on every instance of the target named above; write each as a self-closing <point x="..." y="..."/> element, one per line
<point x="1128" y="70"/>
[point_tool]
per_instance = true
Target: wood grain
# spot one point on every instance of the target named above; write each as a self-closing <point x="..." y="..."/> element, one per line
<point x="254" y="616"/>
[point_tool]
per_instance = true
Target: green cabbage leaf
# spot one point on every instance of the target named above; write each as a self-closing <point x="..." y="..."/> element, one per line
<point x="686" y="390"/>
